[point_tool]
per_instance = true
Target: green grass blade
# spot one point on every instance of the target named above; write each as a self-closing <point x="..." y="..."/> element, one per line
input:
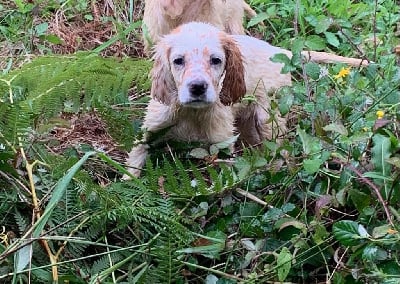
<point x="57" y="194"/>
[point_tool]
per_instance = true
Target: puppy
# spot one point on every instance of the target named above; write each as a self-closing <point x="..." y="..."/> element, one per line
<point x="200" y="73"/>
<point x="162" y="16"/>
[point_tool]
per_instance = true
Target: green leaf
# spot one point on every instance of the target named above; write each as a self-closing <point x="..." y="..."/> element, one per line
<point x="320" y="23"/>
<point x="297" y="45"/>
<point x="347" y="233"/>
<point x="211" y="279"/>
<point x="291" y="222"/>
<point x="52" y="39"/>
<point x="323" y="24"/>
<point x="377" y="176"/>
<point x="336" y="127"/>
<point x="288" y="207"/>
<point x="284" y="263"/>
<point x="381" y="231"/>
<point x="374" y="253"/>
<point x="332" y="39"/>
<point x="315" y="42"/>
<point x="227" y="144"/>
<point x="320" y="234"/>
<point x="243" y="166"/>
<point x="280" y="58"/>
<point x="341" y="196"/>
<point x="309" y="107"/>
<point x="259" y="18"/>
<point x="311" y="145"/>
<point x="380" y="153"/>
<point x="57" y="194"/>
<point x="41" y="28"/>
<point x="283" y="58"/>
<point x="359" y="198"/>
<point x="313" y="70"/>
<point x="312" y="166"/>
<point x="199" y="153"/>
<point x="215" y="245"/>
<point x="259" y="162"/>
<point x="22" y="258"/>
<point x="285" y="103"/>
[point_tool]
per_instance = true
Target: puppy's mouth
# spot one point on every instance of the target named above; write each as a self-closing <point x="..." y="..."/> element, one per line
<point x="197" y="103"/>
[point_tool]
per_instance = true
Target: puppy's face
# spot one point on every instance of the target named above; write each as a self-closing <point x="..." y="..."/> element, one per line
<point x="198" y="71"/>
<point x="197" y="65"/>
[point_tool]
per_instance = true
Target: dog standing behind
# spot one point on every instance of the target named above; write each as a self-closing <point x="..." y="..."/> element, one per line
<point x="199" y="75"/>
<point x="162" y="16"/>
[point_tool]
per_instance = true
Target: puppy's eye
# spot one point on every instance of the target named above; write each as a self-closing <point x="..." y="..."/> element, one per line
<point x="215" y="61"/>
<point x="179" y="61"/>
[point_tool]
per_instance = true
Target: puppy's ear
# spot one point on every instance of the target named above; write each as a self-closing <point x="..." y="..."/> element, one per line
<point x="162" y="85"/>
<point x="234" y="85"/>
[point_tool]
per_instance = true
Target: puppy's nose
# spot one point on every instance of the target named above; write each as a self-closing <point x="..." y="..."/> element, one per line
<point x="198" y="88"/>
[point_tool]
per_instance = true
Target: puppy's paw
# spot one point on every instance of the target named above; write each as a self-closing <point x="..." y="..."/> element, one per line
<point x="133" y="172"/>
<point x="136" y="160"/>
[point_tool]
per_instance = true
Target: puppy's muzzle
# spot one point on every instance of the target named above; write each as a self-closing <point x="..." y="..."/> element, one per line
<point x="198" y="89"/>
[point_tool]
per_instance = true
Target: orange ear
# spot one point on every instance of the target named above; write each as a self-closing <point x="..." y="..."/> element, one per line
<point x="162" y="85"/>
<point x="234" y="85"/>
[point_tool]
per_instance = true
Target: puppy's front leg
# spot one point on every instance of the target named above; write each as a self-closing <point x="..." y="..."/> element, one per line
<point x="136" y="160"/>
<point x="158" y="117"/>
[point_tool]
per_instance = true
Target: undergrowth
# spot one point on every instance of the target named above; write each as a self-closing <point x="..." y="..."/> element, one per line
<point x="323" y="206"/>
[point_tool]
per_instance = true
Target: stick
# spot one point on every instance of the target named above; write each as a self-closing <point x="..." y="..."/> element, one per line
<point x="325" y="57"/>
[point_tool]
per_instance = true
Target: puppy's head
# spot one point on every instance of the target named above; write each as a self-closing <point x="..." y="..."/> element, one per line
<point x="196" y="66"/>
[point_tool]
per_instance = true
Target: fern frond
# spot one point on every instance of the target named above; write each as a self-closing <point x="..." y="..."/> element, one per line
<point x="103" y="262"/>
<point x="15" y="125"/>
<point x="21" y="221"/>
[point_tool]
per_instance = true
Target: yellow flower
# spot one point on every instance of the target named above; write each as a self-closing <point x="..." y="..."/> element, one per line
<point x="342" y="73"/>
<point x="380" y="114"/>
<point x="391" y="231"/>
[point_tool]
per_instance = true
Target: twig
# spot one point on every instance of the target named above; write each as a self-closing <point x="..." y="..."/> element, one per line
<point x="374" y="23"/>
<point x="371" y="185"/>
<point x="253" y="197"/>
<point x="338" y="263"/>
<point x="215" y="271"/>
<point x="36" y="211"/>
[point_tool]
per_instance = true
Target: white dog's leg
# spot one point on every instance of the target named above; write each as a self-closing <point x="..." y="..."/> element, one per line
<point x="136" y="160"/>
<point x="158" y="117"/>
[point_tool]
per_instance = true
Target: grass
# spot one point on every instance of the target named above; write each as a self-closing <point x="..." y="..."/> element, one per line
<point x="322" y="207"/>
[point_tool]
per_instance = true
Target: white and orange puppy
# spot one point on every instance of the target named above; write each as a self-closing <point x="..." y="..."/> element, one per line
<point x="199" y="74"/>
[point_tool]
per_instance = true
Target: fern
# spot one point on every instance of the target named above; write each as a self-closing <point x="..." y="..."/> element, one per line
<point x="21" y="221"/>
<point x="124" y="133"/>
<point x="184" y="178"/>
<point x="53" y="84"/>
<point x="14" y="125"/>
<point x="104" y="262"/>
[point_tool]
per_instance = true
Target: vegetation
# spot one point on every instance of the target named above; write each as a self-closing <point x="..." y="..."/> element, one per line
<point x="324" y="206"/>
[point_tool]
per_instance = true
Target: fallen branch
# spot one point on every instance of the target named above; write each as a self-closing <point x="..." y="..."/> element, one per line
<point x="325" y="57"/>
